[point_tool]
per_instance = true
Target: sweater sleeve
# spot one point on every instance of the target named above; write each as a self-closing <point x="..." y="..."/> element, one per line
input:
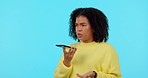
<point x="110" y="66"/>
<point x="62" y="71"/>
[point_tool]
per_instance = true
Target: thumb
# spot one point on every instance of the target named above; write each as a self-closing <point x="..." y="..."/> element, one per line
<point x="78" y="75"/>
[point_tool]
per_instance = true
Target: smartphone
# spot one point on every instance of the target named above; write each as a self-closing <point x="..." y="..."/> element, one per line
<point x="63" y="46"/>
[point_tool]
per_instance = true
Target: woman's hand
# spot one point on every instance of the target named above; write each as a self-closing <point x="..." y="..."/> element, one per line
<point x="89" y="74"/>
<point x="68" y="55"/>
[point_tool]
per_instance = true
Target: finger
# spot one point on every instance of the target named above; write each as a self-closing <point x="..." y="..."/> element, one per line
<point x="64" y="50"/>
<point x="73" y="51"/>
<point x="89" y="75"/>
<point x="86" y="76"/>
<point x="78" y="75"/>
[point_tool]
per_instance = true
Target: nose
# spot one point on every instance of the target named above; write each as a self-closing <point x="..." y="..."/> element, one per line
<point x="79" y="28"/>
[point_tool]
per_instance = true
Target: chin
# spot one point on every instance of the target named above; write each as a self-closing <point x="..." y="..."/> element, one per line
<point x="80" y="39"/>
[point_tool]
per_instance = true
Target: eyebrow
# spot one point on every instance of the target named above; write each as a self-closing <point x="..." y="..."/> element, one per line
<point x="80" y="23"/>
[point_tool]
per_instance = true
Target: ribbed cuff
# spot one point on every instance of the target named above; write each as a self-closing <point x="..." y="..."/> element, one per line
<point x="65" y="67"/>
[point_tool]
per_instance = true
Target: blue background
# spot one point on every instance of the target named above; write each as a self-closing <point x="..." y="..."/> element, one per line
<point x="29" y="30"/>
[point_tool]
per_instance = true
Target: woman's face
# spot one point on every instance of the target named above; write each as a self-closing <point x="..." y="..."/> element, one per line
<point x="83" y="28"/>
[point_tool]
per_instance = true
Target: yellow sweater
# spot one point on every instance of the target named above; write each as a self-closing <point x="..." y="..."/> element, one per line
<point x="93" y="56"/>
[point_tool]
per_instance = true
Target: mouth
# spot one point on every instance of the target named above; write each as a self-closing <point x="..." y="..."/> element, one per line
<point x="79" y="35"/>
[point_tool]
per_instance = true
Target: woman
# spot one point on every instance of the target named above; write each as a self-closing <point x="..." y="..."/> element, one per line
<point x="91" y="56"/>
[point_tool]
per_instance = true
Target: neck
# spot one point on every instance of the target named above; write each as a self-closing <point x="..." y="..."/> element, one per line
<point x="87" y="41"/>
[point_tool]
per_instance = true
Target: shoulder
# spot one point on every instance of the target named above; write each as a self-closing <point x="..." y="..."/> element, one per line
<point x="109" y="48"/>
<point x="105" y="45"/>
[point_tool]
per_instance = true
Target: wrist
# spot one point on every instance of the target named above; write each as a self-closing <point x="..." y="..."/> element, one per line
<point x="66" y="63"/>
<point x="95" y="74"/>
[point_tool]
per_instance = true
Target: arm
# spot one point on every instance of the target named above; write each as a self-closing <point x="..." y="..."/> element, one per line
<point x="110" y="65"/>
<point x="62" y="71"/>
<point x="64" y="67"/>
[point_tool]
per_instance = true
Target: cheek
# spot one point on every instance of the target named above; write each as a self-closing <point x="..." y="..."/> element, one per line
<point x="89" y="33"/>
<point x="88" y="30"/>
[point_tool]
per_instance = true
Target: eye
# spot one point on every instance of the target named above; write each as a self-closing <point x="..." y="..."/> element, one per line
<point x="83" y="25"/>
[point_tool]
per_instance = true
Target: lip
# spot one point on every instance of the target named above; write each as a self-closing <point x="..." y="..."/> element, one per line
<point x="79" y="35"/>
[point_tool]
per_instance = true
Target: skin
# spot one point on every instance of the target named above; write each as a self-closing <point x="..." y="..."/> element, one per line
<point x="89" y="74"/>
<point x="84" y="33"/>
<point x="83" y="28"/>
